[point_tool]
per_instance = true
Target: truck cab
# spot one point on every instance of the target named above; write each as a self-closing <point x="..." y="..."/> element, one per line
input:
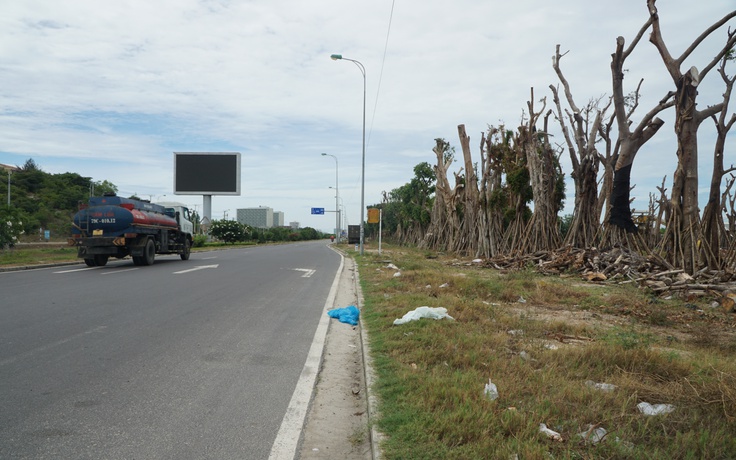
<point x="180" y="212"/>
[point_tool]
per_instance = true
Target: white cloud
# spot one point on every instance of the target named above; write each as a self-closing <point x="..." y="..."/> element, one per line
<point x="110" y="91"/>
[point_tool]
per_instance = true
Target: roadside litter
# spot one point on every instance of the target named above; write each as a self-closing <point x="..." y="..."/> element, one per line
<point x="607" y="387"/>
<point x="593" y="435"/>
<point x="655" y="409"/>
<point x="491" y="391"/>
<point x="347" y="315"/>
<point x="550" y="433"/>
<point x="424" y="312"/>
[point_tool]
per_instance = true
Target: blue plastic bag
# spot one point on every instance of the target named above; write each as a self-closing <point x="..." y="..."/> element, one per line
<point x="348" y="315"/>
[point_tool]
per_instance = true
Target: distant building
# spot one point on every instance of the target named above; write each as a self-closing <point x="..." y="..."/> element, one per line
<point x="9" y="167"/>
<point x="294" y="225"/>
<point x="260" y="217"/>
<point x="278" y="218"/>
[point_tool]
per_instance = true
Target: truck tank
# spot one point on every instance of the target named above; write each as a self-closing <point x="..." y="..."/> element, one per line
<point x="115" y="216"/>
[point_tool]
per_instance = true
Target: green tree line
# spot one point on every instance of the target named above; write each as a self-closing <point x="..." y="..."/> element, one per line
<point x="44" y="201"/>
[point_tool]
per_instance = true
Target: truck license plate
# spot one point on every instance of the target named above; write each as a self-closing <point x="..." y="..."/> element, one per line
<point x="97" y="232"/>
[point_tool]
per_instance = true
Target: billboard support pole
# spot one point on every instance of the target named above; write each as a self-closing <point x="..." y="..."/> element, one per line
<point x="207" y="207"/>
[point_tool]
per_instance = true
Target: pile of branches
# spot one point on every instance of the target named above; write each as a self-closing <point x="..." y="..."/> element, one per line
<point x="621" y="265"/>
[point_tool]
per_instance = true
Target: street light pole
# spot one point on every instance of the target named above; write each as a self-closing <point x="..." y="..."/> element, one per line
<point x="336" y="57"/>
<point x="337" y="195"/>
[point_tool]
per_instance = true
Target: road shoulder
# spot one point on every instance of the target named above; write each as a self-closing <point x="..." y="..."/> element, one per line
<point x="337" y="425"/>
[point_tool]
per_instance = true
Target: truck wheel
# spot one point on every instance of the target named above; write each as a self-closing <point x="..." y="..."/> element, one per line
<point x="90" y="262"/>
<point x="149" y="253"/>
<point x="100" y="260"/>
<point x="187" y="250"/>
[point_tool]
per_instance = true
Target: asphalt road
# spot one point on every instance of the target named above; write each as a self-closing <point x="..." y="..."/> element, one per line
<point x="189" y="359"/>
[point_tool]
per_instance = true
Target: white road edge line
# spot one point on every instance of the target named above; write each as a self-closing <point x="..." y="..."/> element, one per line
<point x="287" y="439"/>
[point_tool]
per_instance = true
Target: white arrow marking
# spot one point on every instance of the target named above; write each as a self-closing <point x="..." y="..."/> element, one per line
<point x="197" y="268"/>
<point x="307" y="272"/>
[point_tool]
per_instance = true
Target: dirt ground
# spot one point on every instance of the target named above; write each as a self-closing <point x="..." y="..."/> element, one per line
<point x="337" y="425"/>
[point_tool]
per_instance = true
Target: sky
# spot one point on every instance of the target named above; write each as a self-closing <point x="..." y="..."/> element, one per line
<point x="110" y="90"/>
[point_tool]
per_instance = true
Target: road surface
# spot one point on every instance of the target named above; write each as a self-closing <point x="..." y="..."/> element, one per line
<point x="182" y="359"/>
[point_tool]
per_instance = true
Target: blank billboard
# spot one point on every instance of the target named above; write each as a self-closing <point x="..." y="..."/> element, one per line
<point x="206" y="173"/>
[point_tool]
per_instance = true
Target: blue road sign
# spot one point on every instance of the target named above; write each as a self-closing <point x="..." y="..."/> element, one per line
<point x="318" y="210"/>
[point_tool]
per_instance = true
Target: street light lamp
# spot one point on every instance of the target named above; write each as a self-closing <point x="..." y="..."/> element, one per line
<point x="337" y="195"/>
<point x="336" y="57"/>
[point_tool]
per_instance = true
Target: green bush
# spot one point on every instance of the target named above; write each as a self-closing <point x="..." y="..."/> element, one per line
<point x="199" y="241"/>
<point x="11" y="227"/>
<point x="229" y="231"/>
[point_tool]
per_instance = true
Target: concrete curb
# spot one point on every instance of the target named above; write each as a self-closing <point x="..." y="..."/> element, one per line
<point x="38" y="266"/>
<point x="369" y="375"/>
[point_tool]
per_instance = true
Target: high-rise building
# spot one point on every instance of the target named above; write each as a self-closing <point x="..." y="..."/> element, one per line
<point x="278" y="218"/>
<point x="260" y="217"/>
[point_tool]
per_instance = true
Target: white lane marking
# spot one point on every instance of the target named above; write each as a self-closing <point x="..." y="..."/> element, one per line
<point x="307" y="271"/>
<point x="196" y="268"/>
<point x="77" y="270"/>
<point x="119" y="271"/>
<point x="285" y="445"/>
<point x="208" y="258"/>
<point x="51" y="345"/>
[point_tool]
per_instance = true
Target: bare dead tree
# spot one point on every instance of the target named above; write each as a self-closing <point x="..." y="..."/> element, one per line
<point x="466" y="241"/>
<point x="495" y="146"/>
<point x="630" y="141"/>
<point x="542" y="231"/>
<point x="580" y="139"/>
<point x="443" y="224"/>
<point x="712" y="224"/>
<point x="684" y="228"/>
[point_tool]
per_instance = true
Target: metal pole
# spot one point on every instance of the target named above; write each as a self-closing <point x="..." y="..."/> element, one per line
<point x="362" y="178"/>
<point x="337" y="197"/>
<point x="8" y="189"/>
<point x="360" y="66"/>
<point x="380" y="228"/>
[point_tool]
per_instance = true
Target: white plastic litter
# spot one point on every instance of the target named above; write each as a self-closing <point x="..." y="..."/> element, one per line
<point x="444" y="285"/>
<point x="550" y="433"/>
<point x="655" y="409"/>
<point x="477" y="261"/>
<point x="424" y="312"/>
<point x="593" y="435"/>
<point x="607" y="387"/>
<point x="491" y="391"/>
<point x="397" y="274"/>
<point x="521" y="300"/>
<point x="392" y="266"/>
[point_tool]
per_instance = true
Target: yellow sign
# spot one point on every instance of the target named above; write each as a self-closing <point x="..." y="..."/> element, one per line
<point x="373" y="215"/>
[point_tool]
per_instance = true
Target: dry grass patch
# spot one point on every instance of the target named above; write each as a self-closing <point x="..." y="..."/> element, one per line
<point x="544" y="342"/>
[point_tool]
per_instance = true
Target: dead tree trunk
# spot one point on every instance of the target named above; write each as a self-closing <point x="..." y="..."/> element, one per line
<point x="495" y="146"/>
<point x="542" y="232"/>
<point x="584" y="158"/>
<point x="442" y="227"/>
<point x="466" y="241"/>
<point x="630" y="142"/>
<point x="683" y="230"/>
<point x="712" y="225"/>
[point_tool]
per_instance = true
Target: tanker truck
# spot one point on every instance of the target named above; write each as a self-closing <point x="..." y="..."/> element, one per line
<point x="112" y="226"/>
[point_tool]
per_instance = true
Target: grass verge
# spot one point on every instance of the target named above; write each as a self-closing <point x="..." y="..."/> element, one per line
<point x="544" y="342"/>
